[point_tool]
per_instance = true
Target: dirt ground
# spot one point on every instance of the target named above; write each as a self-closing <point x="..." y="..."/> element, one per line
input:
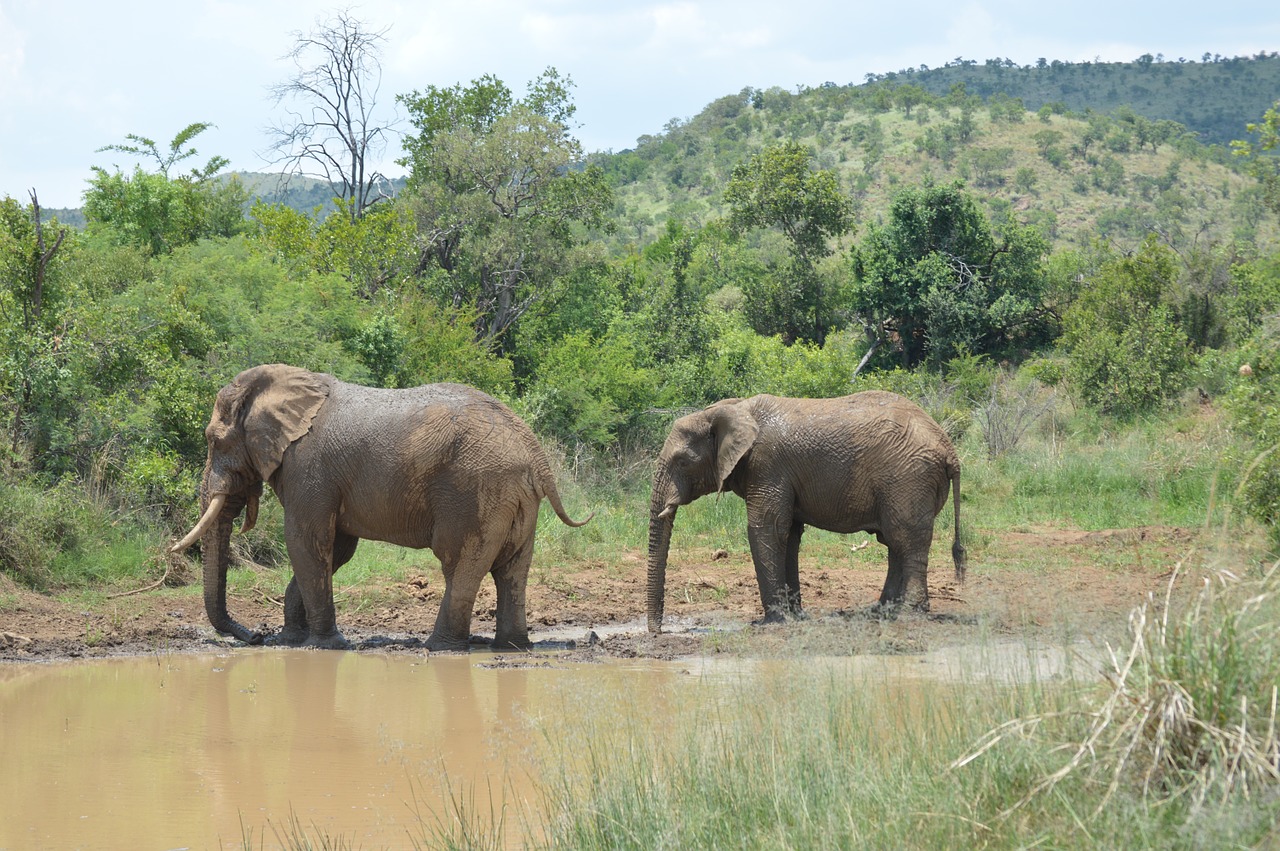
<point x="1044" y="581"/>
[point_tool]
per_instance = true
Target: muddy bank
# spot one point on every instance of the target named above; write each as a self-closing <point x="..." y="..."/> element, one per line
<point x="1019" y="584"/>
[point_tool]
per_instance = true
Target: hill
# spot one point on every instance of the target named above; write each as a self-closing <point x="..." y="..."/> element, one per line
<point x="1075" y="174"/>
<point x="300" y="193"/>
<point x="1212" y="97"/>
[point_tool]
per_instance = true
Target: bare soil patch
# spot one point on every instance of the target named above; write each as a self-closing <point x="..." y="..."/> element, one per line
<point x="1046" y="581"/>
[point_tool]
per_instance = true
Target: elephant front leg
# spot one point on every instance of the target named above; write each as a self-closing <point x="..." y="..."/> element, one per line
<point x="296" y="628"/>
<point x="311" y="550"/>
<point x="768" y="553"/>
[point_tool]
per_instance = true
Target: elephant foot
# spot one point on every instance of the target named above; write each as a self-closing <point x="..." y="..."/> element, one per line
<point x="437" y="642"/>
<point x="289" y="637"/>
<point x="889" y="610"/>
<point x="333" y="641"/>
<point x="781" y="615"/>
<point x="886" y="610"/>
<point x="520" y="642"/>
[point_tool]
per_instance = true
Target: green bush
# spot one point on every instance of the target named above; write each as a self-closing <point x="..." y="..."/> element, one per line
<point x="586" y="390"/>
<point x="1128" y="354"/>
<point x="744" y="364"/>
<point x="38" y="525"/>
<point x="1253" y="403"/>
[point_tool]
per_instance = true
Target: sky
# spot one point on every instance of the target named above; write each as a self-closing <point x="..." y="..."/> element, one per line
<point x="77" y="75"/>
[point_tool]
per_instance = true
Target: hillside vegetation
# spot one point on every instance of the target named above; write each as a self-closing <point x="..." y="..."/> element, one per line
<point x="1207" y="96"/>
<point x="1077" y="175"/>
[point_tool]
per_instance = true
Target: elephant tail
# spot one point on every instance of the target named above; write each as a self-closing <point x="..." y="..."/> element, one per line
<point x="958" y="554"/>
<point x="545" y="486"/>
<point x="552" y="493"/>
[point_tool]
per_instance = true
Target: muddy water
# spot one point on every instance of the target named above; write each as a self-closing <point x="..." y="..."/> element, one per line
<point x="191" y="751"/>
<point x="202" y="751"/>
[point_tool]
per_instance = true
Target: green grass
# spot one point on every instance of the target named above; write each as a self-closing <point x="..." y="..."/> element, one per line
<point x="1174" y="746"/>
<point x="56" y="537"/>
<point x="1066" y="474"/>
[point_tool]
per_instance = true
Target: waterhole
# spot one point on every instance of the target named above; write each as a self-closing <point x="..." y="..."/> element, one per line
<point x="206" y="751"/>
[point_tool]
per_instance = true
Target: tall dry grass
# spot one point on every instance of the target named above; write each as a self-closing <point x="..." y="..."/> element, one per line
<point x="1186" y="718"/>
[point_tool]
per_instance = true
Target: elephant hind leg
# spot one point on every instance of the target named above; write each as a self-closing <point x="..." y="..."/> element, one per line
<point x="793" y="569"/>
<point x="907" y="580"/>
<point x="511" y="577"/>
<point x="465" y="564"/>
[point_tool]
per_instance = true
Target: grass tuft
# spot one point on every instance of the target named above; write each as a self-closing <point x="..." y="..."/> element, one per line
<point x="1188" y="714"/>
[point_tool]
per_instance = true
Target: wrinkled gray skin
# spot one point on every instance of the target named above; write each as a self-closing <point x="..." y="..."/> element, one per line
<point x="870" y="462"/>
<point x="444" y="467"/>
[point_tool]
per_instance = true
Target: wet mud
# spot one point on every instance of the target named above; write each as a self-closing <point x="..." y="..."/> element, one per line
<point x="1019" y="584"/>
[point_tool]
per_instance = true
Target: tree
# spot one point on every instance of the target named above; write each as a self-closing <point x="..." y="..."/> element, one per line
<point x="499" y="186"/>
<point x="29" y="334"/>
<point x="1045" y="140"/>
<point x="1266" y="166"/>
<point x="909" y="96"/>
<point x="935" y="281"/>
<point x="334" y="133"/>
<point x="1128" y="354"/>
<point x="144" y="147"/>
<point x="157" y="212"/>
<point x="373" y="251"/>
<point x="780" y="188"/>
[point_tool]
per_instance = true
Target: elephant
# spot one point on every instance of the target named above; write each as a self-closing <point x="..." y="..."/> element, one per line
<point x="443" y="466"/>
<point x="873" y="461"/>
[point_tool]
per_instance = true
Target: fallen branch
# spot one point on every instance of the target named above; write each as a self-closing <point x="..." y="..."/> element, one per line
<point x="168" y="566"/>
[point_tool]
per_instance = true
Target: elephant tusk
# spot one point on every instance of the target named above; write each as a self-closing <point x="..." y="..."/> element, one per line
<point x="668" y="512"/>
<point x="210" y="515"/>
<point x="250" y="515"/>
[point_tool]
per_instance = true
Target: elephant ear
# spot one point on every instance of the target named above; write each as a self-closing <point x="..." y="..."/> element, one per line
<point x="285" y="402"/>
<point x="735" y="431"/>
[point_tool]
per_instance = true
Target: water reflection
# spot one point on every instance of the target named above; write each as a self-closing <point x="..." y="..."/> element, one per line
<point x="187" y="751"/>
<point x="193" y="751"/>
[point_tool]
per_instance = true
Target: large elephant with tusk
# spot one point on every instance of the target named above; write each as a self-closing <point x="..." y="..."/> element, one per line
<point x="871" y="462"/>
<point x="443" y="466"/>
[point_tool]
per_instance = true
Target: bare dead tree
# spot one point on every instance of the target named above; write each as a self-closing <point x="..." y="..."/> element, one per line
<point x="330" y="130"/>
<point x="42" y="256"/>
<point x="1009" y="411"/>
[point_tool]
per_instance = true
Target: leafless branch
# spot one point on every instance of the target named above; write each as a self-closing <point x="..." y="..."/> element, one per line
<point x="334" y="134"/>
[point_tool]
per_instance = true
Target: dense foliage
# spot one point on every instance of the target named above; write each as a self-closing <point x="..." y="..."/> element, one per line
<point x="798" y="244"/>
<point x="941" y="282"/>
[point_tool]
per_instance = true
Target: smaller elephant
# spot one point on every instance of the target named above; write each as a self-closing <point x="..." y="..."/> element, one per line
<point x="871" y="462"/>
<point x="443" y="467"/>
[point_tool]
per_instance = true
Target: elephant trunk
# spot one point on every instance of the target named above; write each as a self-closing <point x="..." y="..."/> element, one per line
<point x="216" y="546"/>
<point x="662" y="514"/>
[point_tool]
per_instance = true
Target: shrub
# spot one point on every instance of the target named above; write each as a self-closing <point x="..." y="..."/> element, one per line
<point x="1127" y="353"/>
<point x="38" y="524"/>
<point x="1253" y="403"/>
<point x="587" y="389"/>
<point x="1010" y="409"/>
<point x="1189" y="712"/>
